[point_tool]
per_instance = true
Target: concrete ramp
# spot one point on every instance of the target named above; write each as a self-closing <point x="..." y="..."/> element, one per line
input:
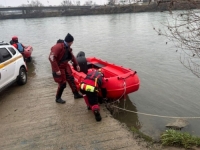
<point x="31" y="120"/>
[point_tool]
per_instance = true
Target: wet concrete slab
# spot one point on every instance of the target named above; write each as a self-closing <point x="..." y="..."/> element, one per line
<point x="30" y="119"/>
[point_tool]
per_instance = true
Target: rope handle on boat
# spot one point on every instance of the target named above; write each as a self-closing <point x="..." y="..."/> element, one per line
<point x="124" y="84"/>
<point x="118" y="100"/>
<point x="152" y="115"/>
<point x="127" y="76"/>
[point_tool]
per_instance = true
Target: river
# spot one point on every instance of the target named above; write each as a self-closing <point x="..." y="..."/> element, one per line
<point x="167" y="87"/>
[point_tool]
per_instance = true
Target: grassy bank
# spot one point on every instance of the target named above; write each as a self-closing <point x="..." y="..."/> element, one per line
<point x="181" y="139"/>
<point x="171" y="138"/>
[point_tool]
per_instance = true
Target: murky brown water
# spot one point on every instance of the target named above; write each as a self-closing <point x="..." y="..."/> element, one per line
<point x="167" y="88"/>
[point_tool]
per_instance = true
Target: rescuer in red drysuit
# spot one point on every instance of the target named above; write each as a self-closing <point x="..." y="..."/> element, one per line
<point x="19" y="46"/>
<point x="90" y="87"/>
<point x="60" y="55"/>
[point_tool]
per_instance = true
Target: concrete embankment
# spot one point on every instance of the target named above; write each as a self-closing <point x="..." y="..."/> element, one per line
<point x="30" y="119"/>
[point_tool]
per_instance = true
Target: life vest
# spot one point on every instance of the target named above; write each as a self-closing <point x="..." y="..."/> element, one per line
<point x="20" y="47"/>
<point x="92" y="82"/>
<point x="67" y="55"/>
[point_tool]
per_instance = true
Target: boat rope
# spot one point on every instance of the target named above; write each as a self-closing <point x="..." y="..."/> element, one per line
<point x="124" y="84"/>
<point x="146" y="114"/>
<point x="118" y="100"/>
<point x="152" y="115"/>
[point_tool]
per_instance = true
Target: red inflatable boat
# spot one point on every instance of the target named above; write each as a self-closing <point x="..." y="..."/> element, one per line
<point x="27" y="53"/>
<point x="120" y="81"/>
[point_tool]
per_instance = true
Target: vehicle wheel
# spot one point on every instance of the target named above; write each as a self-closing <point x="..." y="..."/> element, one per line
<point x="22" y="78"/>
<point x="29" y="59"/>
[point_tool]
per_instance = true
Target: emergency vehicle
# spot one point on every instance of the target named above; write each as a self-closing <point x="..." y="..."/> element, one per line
<point x="12" y="66"/>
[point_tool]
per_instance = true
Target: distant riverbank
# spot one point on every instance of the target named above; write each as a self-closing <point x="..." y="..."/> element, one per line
<point x="144" y="7"/>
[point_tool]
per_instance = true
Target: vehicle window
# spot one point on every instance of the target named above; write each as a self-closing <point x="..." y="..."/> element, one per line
<point x="12" y="50"/>
<point x="5" y="54"/>
<point x="0" y="59"/>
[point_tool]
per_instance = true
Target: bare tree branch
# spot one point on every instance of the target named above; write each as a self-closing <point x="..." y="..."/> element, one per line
<point x="183" y="29"/>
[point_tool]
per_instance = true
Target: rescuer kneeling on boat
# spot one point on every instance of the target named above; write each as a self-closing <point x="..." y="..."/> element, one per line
<point x="82" y="61"/>
<point x="19" y="46"/>
<point x="60" y="55"/>
<point x="90" y="87"/>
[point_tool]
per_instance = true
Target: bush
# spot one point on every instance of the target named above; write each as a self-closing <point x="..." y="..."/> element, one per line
<point x="177" y="138"/>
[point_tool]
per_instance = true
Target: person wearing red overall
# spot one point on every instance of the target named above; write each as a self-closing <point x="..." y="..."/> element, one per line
<point x="19" y="46"/>
<point x="90" y="87"/>
<point x="60" y="55"/>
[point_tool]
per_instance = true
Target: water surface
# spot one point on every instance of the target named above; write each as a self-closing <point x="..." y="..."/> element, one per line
<point x="167" y="88"/>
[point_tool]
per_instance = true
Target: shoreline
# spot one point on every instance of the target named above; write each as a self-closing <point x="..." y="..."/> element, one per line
<point x="116" y="9"/>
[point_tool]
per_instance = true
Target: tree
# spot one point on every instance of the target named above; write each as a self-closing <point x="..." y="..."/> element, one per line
<point x="66" y="3"/>
<point x="88" y="3"/>
<point x="183" y="29"/>
<point x="35" y="3"/>
<point x="111" y="2"/>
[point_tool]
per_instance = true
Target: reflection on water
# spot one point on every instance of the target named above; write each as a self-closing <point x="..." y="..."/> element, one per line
<point x="31" y="68"/>
<point x="129" y="118"/>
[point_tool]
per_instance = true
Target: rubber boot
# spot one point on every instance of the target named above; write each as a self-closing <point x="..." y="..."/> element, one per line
<point x="77" y="95"/>
<point x="59" y="94"/>
<point x="96" y="109"/>
<point x="60" y="100"/>
<point x="86" y="101"/>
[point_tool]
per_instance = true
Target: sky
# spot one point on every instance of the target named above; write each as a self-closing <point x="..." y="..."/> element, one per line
<point x="44" y="2"/>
